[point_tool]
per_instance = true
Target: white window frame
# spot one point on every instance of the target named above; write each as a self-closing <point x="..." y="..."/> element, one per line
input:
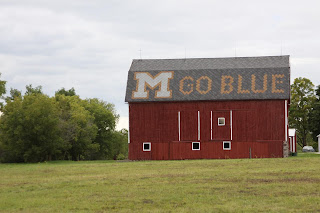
<point x="199" y="146"/>
<point x="146" y="150"/>
<point x="224" y="142"/>
<point x="224" y="121"/>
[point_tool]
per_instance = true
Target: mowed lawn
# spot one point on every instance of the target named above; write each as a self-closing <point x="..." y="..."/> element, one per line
<point x="241" y="185"/>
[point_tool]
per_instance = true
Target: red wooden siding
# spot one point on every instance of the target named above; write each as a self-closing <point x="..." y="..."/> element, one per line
<point x="256" y="125"/>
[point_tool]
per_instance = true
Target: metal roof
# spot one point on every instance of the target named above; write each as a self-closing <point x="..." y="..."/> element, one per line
<point x="209" y="63"/>
<point x="195" y="79"/>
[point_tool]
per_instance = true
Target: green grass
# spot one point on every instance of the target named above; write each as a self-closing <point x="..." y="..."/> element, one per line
<point x="241" y="185"/>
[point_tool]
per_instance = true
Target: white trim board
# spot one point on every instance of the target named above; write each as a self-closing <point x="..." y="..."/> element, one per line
<point x="211" y="126"/>
<point x="179" y="130"/>
<point x="286" y="119"/>
<point x="230" y="125"/>
<point x="198" y="125"/>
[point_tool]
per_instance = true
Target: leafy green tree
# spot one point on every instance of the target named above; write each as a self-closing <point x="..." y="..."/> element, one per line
<point x="35" y="127"/>
<point x="77" y="126"/>
<point x="2" y="87"/>
<point x="120" y="139"/>
<point x="302" y="99"/>
<point x="2" y="90"/>
<point x="105" y="119"/>
<point x="14" y="93"/>
<point x="314" y="117"/>
<point x="33" y="90"/>
<point x="63" y="91"/>
<point x="29" y="129"/>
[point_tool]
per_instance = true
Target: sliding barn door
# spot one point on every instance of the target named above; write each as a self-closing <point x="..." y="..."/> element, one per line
<point x="243" y="125"/>
<point x="189" y="125"/>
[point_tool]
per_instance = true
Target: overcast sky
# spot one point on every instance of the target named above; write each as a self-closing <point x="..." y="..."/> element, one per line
<point x="89" y="45"/>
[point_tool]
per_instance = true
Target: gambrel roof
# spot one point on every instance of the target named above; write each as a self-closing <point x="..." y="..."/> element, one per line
<point x="194" y="79"/>
<point x="209" y="63"/>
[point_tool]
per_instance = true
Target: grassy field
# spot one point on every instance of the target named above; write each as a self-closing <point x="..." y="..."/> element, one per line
<point x="242" y="185"/>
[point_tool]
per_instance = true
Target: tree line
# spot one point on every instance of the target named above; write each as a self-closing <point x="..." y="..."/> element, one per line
<point x="304" y="111"/>
<point x="35" y="127"/>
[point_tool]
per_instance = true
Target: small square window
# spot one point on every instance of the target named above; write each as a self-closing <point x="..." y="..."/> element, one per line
<point x="221" y="121"/>
<point x="195" y="145"/>
<point x="146" y="146"/>
<point x="226" y="145"/>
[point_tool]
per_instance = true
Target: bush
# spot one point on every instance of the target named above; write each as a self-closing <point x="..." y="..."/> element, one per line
<point x="121" y="157"/>
<point x="314" y="145"/>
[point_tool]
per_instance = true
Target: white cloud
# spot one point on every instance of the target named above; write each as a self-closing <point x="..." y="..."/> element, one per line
<point x="89" y="45"/>
<point x="123" y="123"/>
<point x="301" y="61"/>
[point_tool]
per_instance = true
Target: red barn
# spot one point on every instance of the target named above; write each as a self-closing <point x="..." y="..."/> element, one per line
<point x="208" y="108"/>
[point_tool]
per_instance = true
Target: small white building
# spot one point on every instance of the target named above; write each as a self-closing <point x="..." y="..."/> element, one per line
<point x="292" y="140"/>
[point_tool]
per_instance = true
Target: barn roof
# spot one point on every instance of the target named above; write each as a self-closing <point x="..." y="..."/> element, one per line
<point x="209" y="63"/>
<point x="193" y="79"/>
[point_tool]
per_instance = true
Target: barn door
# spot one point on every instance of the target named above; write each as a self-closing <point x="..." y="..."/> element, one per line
<point x="220" y="123"/>
<point x="243" y="125"/>
<point x="189" y="125"/>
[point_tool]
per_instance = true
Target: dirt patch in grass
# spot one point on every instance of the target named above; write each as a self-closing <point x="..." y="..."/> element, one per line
<point x="286" y="180"/>
<point x="172" y="175"/>
<point x="301" y="180"/>
<point x="260" y="181"/>
<point x="281" y="174"/>
<point x="147" y="201"/>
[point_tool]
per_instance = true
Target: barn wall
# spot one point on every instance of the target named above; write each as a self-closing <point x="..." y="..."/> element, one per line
<point x="258" y="126"/>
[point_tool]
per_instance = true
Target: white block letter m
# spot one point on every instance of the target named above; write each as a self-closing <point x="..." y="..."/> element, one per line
<point x="145" y="79"/>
